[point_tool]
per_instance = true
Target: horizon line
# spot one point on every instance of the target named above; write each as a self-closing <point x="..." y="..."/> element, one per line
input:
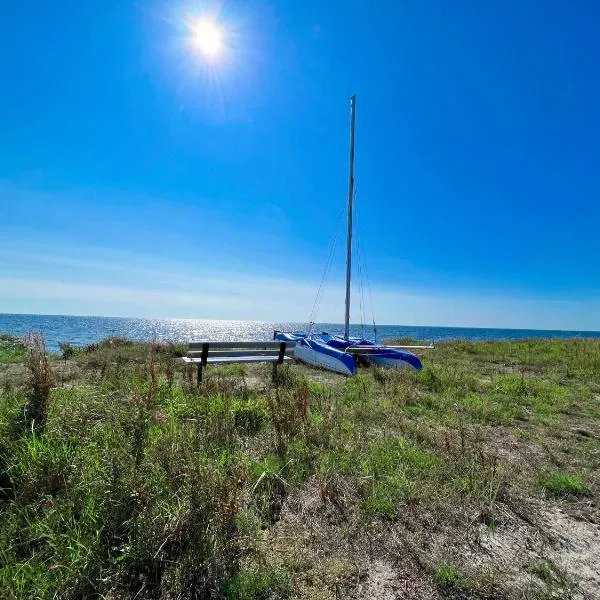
<point x="594" y="331"/>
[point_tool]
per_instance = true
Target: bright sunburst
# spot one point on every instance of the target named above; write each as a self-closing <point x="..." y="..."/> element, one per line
<point x="208" y="38"/>
<point x="207" y="66"/>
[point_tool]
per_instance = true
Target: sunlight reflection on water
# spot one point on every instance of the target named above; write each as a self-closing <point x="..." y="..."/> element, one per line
<point x="85" y="330"/>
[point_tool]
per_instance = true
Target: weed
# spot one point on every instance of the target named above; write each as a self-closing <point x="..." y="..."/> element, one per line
<point x="543" y="570"/>
<point x="283" y="376"/>
<point x="40" y="382"/>
<point x="288" y="410"/>
<point x="12" y="349"/>
<point x="562" y="485"/>
<point x="448" y="578"/>
<point x="388" y="471"/>
<point x="553" y="581"/>
<point x="258" y="582"/>
<point x="67" y="350"/>
<point x="39" y="466"/>
<point x="170" y="366"/>
<point x="250" y="416"/>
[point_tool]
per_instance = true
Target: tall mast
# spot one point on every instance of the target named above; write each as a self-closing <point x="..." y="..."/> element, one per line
<point x="350" y="203"/>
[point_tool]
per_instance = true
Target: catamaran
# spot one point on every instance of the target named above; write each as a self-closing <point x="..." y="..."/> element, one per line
<point x="344" y="354"/>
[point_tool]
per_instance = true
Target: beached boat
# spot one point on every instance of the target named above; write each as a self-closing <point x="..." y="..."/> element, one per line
<point x="315" y="350"/>
<point x="341" y="355"/>
<point x="344" y="354"/>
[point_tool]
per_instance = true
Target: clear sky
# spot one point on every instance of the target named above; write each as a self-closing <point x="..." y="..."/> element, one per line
<point x="141" y="177"/>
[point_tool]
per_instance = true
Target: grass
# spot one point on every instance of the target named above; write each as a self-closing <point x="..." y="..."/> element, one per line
<point x="449" y="578"/>
<point x="12" y="349"/>
<point x="131" y="482"/>
<point x="562" y="485"/>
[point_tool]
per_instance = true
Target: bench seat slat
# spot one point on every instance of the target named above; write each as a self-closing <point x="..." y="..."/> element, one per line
<point x="272" y="345"/>
<point x="234" y="359"/>
<point x="235" y="353"/>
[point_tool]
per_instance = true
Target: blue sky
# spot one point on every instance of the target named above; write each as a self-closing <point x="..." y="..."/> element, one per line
<point x="138" y="177"/>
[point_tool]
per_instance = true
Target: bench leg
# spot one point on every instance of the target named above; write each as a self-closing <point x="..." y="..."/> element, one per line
<point x="280" y="358"/>
<point x="199" y="379"/>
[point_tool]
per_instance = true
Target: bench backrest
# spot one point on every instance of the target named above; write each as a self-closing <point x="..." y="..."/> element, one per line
<point x="203" y="350"/>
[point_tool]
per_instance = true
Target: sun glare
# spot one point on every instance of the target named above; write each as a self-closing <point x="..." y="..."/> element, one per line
<point x="208" y="38"/>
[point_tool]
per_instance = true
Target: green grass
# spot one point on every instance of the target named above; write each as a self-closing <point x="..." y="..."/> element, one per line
<point x="258" y="583"/>
<point x="140" y="484"/>
<point x="388" y="471"/>
<point x="449" y="578"/>
<point x="12" y="349"/>
<point x="563" y="484"/>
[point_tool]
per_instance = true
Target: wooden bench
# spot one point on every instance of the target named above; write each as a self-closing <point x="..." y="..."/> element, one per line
<point x="203" y="353"/>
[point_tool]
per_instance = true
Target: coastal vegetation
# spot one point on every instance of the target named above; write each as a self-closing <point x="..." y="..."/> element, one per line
<point x="477" y="477"/>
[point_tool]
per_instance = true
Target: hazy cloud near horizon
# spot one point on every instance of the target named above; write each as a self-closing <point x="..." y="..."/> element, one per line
<point x="280" y="300"/>
<point x="115" y="269"/>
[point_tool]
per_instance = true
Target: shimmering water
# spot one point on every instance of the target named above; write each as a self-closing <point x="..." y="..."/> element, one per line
<point x="85" y="330"/>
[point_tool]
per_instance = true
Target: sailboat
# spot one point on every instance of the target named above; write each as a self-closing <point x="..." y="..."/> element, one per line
<point x="344" y="354"/>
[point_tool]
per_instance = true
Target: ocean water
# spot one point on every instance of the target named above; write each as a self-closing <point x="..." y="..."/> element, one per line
<point x="85" y="330"/>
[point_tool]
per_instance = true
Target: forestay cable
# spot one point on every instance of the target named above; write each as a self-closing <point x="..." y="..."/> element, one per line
<point x="319" y="296"/>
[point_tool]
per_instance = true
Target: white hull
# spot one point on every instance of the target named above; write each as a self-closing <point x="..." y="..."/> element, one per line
<point x="319" y="359"/>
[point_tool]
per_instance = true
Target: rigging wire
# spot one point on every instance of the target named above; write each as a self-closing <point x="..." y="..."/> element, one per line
<point x="371" y="302"/>
<point x="360" y="277"/>
<point x="327" y="269"/>
<point x="363" y="264"/>
<point x="362" y="294"/>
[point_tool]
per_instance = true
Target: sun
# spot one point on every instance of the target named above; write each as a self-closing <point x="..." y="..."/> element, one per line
<point x="208" y="38"/>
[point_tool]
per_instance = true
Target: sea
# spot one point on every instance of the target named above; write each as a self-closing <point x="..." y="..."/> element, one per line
<point x="86" y="330"/>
